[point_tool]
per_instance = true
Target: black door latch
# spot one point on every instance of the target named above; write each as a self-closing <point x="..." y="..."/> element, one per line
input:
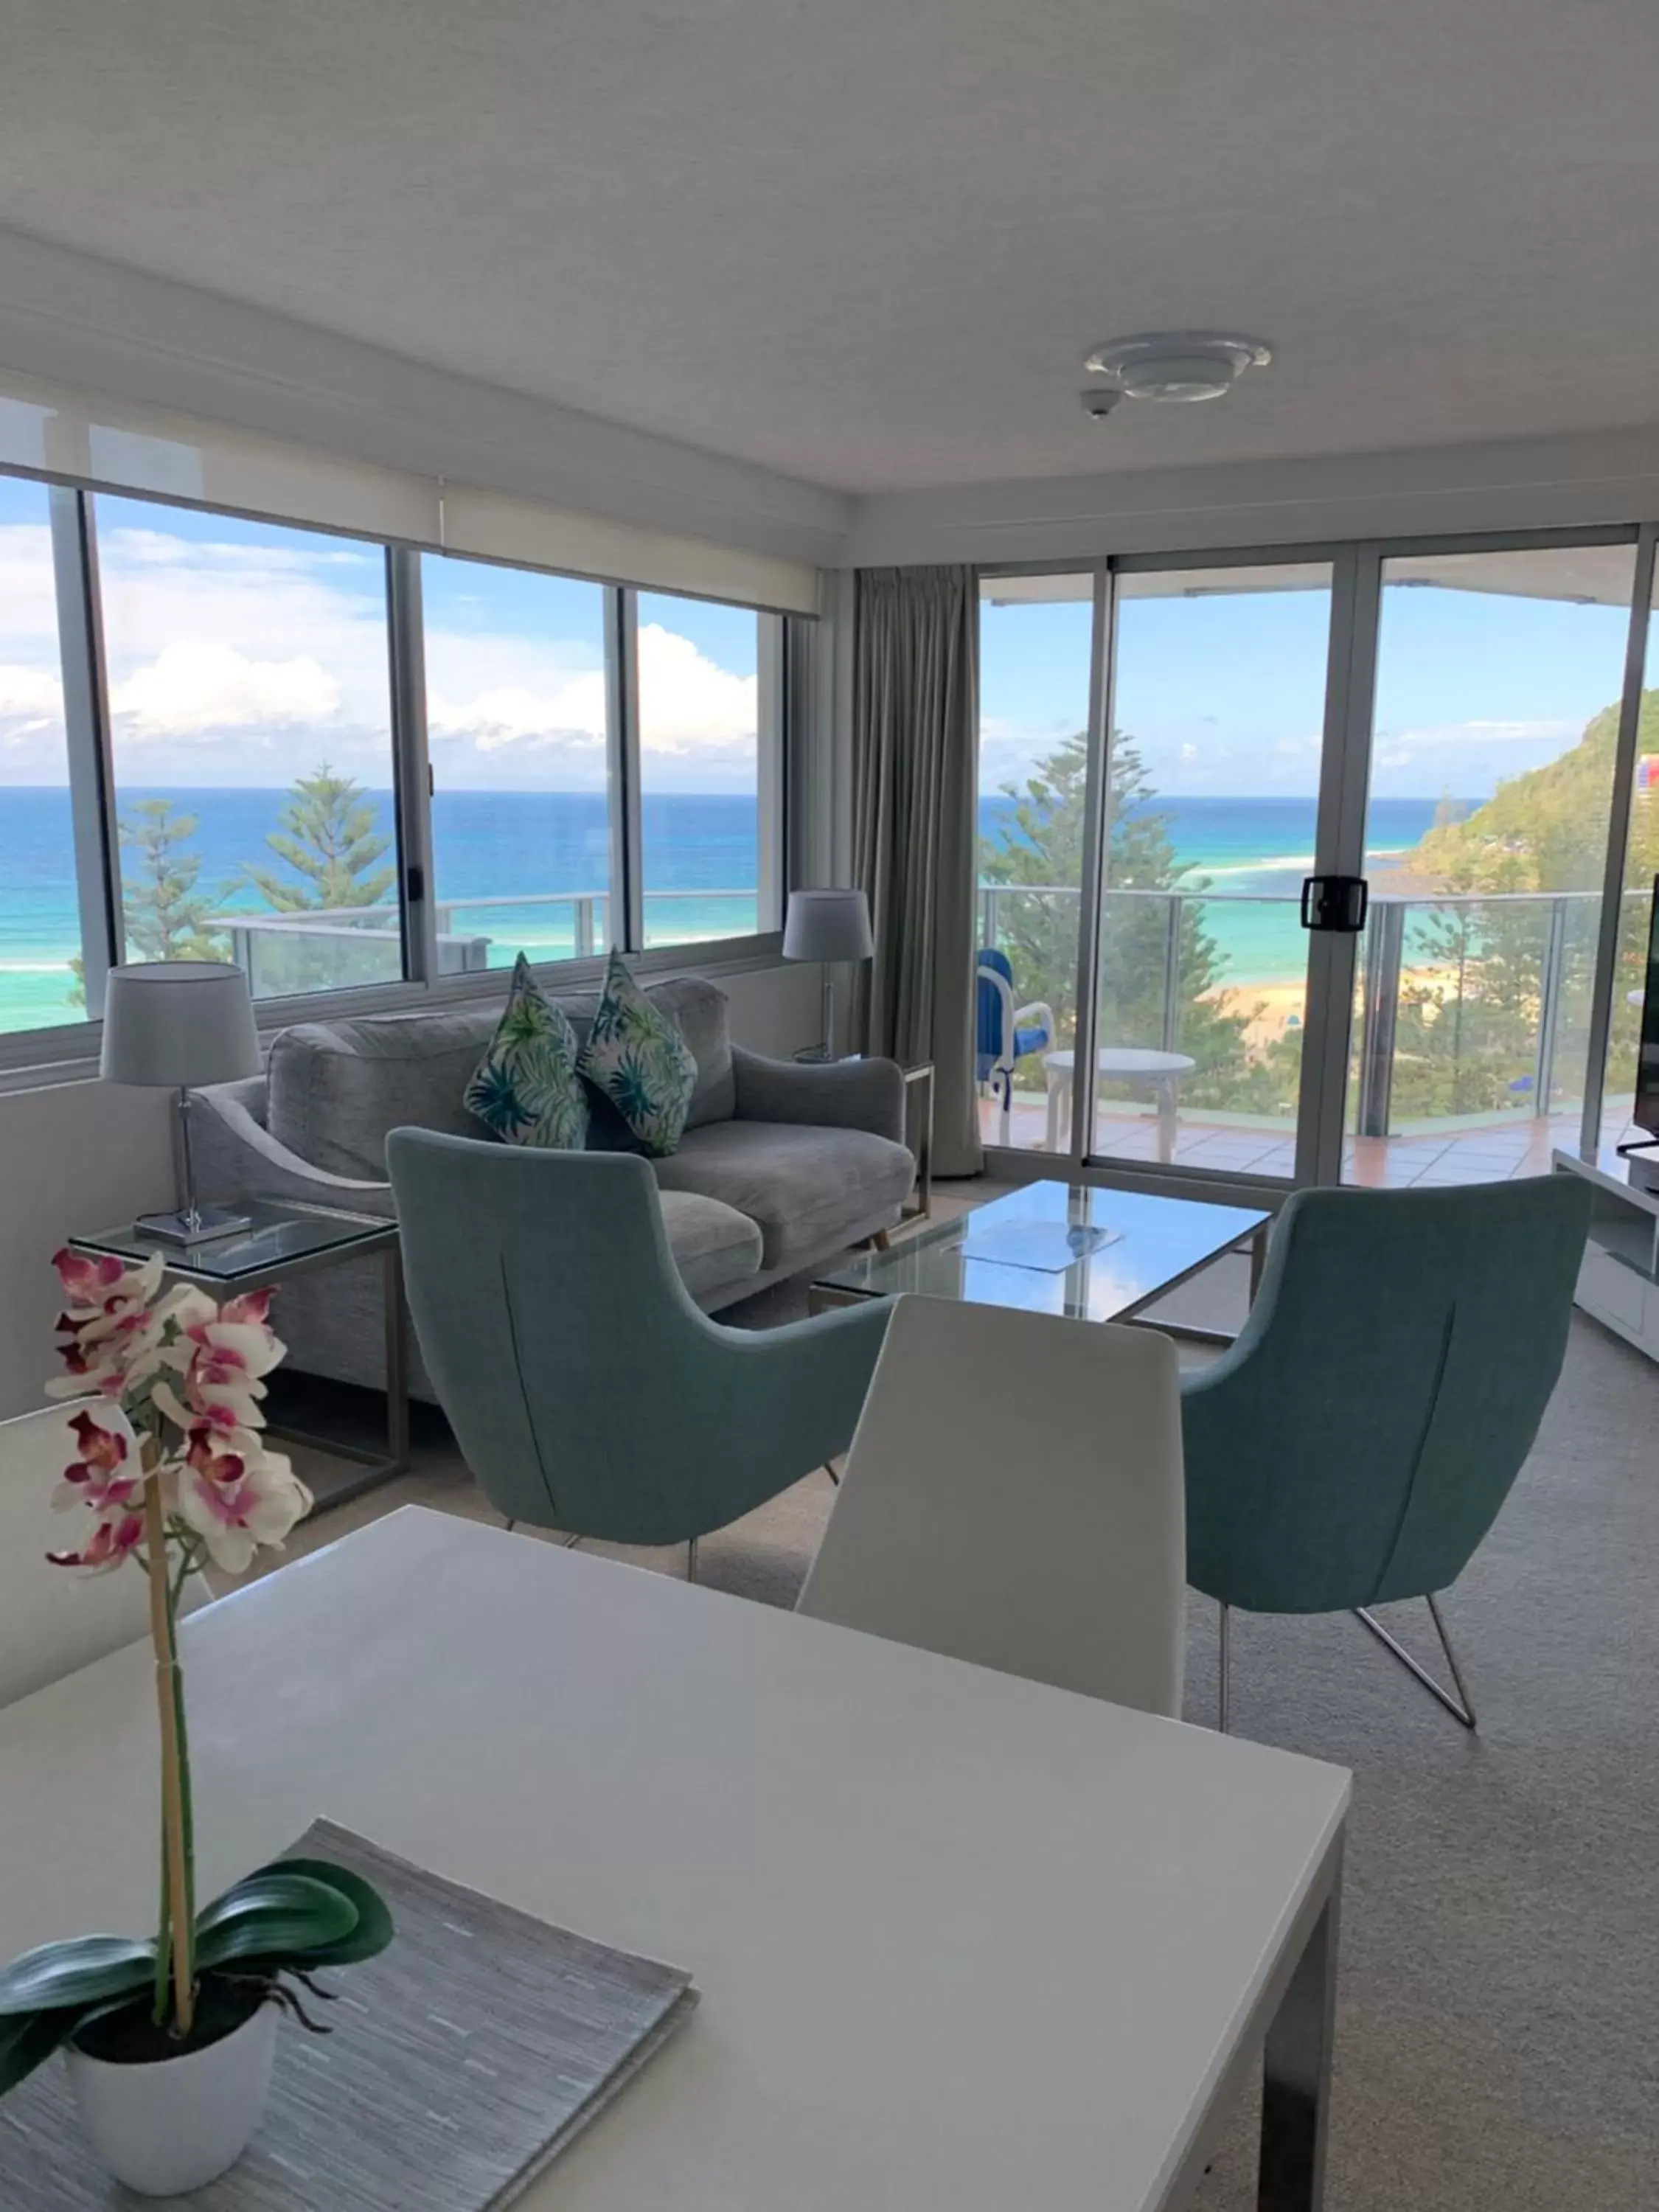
<point x="1337" y="903"/>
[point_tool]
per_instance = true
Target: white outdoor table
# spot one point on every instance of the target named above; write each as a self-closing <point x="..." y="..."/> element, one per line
<point x="962" y="1941"/>
<point x="1161" y="1071"/>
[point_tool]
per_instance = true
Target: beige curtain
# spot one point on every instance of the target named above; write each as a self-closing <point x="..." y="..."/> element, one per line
<point x="915" y="741"/>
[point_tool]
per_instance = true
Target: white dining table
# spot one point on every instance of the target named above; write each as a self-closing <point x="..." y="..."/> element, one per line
<point x="964" y="1941"/>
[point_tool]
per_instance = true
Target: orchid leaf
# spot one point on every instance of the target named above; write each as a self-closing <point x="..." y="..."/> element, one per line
<point x="275" y="1914"/>
<point x="374" y="1930"/>
<point x="78" y="1972"/>
<point x="369" y="1934"/>
<point x="28" y="2039"/>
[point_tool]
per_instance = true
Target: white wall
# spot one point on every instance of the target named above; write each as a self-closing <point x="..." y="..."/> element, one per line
<point x="775" y="1010"/>
<point x="84" y="1156"/>
<point x="73" y="1156"/>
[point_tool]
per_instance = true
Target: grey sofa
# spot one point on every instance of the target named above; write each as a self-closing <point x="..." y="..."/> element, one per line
<point x="781" y="1164"/>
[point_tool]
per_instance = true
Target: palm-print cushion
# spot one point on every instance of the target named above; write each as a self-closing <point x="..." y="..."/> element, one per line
<point x="637" y="1058"/>
<point x="526" y="1089"/>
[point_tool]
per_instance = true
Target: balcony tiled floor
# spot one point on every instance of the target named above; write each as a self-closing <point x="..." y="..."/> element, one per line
<point x="1491" y="1154"/>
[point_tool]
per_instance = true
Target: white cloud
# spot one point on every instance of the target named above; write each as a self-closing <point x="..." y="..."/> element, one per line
<point x="507" y="709"/>
<point x="197" y="689"/>
<point x="233" y="664"/>
<point x="690" y="708"/>
<point x="1009" y="750"/>
<point x="31" y="710"/>
<point x="1461" y="737"/>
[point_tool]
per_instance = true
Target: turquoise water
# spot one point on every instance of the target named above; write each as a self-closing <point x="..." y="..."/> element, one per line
<point x="493" y="846"/>
<point x="1246" y="850"/>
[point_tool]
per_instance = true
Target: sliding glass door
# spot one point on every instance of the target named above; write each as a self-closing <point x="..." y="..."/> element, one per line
<point x="1036" y="647"/>
<point x="1219" y="681"/>
<point x="1448" y="739"/>
<point x="1499" y="678"/>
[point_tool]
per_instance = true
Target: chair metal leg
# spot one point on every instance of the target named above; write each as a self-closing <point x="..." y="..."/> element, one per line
<point x="691" y="1560"/>
<point x="510" y="1526"/>
<point x="570" y="1542"/>
<point x="829" y="1469"/>
<point x="1226" y="1668"/>
<point x="1459" y="1708"/>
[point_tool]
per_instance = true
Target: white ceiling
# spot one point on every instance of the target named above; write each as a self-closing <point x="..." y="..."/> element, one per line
<point x="868" y="241"/>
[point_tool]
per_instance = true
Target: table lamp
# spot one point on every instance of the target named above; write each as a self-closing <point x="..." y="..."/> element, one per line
<point x="828" y="926"/>
<point x="173" y="1025"/>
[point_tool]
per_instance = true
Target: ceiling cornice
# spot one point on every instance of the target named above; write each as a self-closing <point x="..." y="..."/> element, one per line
<point x="97" y="325"/>
<point x="1605" y="476"/>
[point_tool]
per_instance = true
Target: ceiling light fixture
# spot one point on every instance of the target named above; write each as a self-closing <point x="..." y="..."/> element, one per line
<point x="1183" y="365"/>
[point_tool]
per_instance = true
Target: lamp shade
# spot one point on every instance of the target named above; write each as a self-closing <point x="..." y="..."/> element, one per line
<point x="828" y="925"/>
<point x="178" y="1023"/>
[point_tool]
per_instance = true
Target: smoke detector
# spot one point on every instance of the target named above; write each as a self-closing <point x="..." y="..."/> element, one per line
<point x="1184" y="365"/>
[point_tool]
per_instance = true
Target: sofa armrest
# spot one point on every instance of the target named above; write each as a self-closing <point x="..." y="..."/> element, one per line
<point x="835" y="1094"/>
<point x="237" y="1157"/>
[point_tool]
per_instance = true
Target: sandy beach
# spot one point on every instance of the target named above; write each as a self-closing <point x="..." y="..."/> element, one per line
<point x="1272" y="1007"/>
<point x="1275" y="1007"/>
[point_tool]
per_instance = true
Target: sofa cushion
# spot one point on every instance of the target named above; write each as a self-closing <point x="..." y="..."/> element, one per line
<point x="338" y="1089"/>
<point x="697" y="1009"/>
<point x="526" y="1089"/>
<point x="713" y="1244"/>
<point x="635" y="1056"/>
<point x="805" y="1186"/>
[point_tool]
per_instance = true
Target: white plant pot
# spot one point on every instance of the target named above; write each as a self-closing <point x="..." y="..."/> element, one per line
<point x="176" y="2123"/>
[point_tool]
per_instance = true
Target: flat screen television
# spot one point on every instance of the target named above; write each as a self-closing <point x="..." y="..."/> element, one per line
<point x="1645" y="1111"/>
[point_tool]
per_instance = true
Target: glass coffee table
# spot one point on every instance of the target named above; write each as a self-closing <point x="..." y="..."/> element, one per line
<point x="1155" y="1245"/>
<point x="283" y="1238"/>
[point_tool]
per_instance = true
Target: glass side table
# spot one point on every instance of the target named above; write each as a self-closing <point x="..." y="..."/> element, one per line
<point x="919" y="1135"/>
<point x="286" y="1238"/>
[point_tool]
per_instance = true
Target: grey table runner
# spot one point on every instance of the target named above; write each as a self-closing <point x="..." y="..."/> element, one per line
<point x="463" y="2059"/>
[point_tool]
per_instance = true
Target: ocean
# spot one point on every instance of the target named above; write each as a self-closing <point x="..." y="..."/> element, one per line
<point x="494" y="848"/>
<point x="1252" y="855"/>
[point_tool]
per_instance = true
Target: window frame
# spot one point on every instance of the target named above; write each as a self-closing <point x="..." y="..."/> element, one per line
<point x="70" y="1050"/>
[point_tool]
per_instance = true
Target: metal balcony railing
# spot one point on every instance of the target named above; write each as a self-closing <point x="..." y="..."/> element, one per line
<point x="320" y="948"/>
<point x="1556" y="938"/>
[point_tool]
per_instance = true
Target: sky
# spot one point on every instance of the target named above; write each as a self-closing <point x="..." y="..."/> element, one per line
<point x="242" y="653"/>
<point x="1226" y="693"/>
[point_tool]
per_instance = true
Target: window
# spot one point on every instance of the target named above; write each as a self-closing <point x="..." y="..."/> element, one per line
<point x="1220" y="706"/>
<point x="226" y="756"/>
<point x="251" y="736"/>
<point x="40" y="982"/>
<point x="706" y="756"/>
<point x="1036" y="645"/>
<point x="516" y="712"/>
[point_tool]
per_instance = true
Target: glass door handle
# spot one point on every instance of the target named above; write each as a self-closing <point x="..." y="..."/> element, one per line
<point x="1335" y="902"/>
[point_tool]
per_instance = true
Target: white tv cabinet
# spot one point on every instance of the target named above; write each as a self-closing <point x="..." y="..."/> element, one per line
<point x="1619" y="1281"/>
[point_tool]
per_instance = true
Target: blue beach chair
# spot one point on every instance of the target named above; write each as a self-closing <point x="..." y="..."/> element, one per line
<point x="1006" y="1033"/>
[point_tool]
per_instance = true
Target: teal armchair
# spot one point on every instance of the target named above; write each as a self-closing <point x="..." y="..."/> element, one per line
<point x="1355" y="1443"/>
<point x="587" y="1390"/>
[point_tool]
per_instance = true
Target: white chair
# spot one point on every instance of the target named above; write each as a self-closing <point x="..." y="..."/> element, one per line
<point x="1014" y="1497"/>
<point x="53" y="1619"/>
